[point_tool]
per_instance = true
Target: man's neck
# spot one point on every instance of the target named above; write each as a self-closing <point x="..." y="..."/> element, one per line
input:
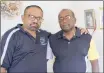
<point x="33" y="33"/>
<point x="69" y="35"/>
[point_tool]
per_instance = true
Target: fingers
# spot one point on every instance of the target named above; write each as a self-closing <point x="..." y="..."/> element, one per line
<point x="85" y="31"/>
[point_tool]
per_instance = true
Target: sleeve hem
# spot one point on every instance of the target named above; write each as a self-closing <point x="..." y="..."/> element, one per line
<point x="4" y="66"/>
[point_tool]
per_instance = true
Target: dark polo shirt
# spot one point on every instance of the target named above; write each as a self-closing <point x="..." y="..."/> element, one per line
<point x="21" y="52"/>
<point x="70" y="54"/>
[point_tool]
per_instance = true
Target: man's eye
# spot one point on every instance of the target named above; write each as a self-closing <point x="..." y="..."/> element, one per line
<point x="68" y="17"/>
<point x="61" y="18"/>
<point x="31" y="16"/>
<point x="38" y="18"/>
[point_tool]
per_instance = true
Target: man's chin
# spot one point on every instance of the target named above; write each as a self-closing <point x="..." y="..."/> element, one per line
<point x="65" y="30"/>
<point x="33" y="29"/>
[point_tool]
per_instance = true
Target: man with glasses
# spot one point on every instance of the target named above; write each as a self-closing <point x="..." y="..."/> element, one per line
<point x="24" y="47"/>
<point x="72" y="47"/>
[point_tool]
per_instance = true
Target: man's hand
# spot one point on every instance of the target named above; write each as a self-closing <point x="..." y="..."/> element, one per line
<point x="3" y="70"/>
<point x="95" y="66"/>
<point x="84" y="30"/>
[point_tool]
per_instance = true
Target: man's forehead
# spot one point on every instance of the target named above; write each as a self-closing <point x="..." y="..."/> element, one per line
<point x="65" y="12"/>
<point x="34" y="11"/>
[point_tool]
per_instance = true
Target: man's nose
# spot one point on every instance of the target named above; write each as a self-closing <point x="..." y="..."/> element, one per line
<point x="64" y="20"/>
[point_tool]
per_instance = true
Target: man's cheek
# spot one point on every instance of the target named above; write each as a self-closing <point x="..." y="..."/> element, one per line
<point x="39" y="24"/>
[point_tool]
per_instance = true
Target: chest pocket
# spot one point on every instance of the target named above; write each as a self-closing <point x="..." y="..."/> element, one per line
<point x="34" y="45"/>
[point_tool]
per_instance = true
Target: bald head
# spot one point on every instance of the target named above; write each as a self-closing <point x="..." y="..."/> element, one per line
<point x="67" y="11"/>
<point x="32" y="6"/>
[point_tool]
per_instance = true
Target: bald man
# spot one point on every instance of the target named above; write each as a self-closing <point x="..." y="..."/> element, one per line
<point x="70" y="47"/>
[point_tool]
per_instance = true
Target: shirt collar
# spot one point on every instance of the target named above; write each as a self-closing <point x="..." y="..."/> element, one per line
<point x="20" y="26"/>
<point x="77" y="33"/>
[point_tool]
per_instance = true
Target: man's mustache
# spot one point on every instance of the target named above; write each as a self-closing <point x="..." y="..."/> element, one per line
<point x="35" y="23"/>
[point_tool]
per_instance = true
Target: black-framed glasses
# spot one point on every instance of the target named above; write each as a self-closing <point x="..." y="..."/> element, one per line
<point x="32" y="17"/>
<point x="67" y="17"/>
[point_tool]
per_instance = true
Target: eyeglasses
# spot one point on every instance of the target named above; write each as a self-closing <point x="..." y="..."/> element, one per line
<point x="66" y="18"/>
<point x="32" y="17"/>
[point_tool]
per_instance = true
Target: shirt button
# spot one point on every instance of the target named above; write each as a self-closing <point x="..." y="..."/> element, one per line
<point x="68" y="42"/>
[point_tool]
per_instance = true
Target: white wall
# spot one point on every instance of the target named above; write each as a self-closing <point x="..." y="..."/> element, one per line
<point x="51" y="10"/>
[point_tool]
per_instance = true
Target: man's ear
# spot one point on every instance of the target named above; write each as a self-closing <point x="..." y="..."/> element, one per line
<point x="22" y="17"/>
<point x="75" y="20"/>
